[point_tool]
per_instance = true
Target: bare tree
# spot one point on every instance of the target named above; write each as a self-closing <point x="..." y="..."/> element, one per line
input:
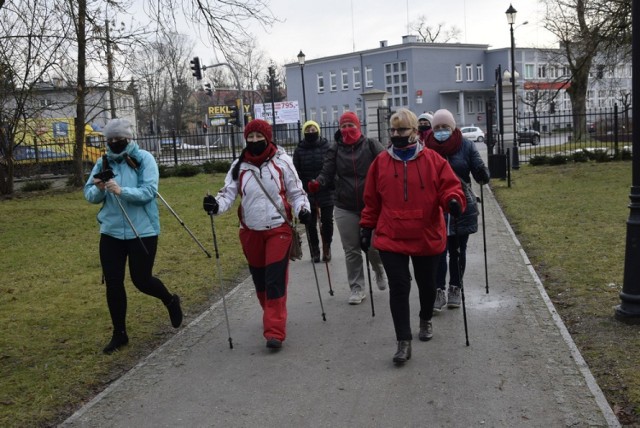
<point x="29" y="50"/>
<point x="251" y="63"/>
<point x="586" y="29"/>
<point x="434" y="33"/>
<point x="225" y="21"/>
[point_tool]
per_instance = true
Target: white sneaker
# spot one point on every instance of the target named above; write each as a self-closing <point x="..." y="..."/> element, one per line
<point x="356" y="297"/>
<point x="381" y="282"/>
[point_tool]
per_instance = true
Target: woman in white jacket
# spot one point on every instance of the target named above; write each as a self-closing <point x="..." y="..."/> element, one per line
<point x="264" y="233"/>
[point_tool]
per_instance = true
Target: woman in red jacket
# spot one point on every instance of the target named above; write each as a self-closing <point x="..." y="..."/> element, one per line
<point x="407" y="189"/>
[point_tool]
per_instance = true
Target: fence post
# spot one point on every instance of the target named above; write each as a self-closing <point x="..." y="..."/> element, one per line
<point x="175" y="148"/>
<point x="615" y="131"/>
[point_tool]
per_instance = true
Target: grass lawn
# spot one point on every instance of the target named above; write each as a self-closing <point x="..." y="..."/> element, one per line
<point x="54" y="320"/>
<point x="571" y="219"/>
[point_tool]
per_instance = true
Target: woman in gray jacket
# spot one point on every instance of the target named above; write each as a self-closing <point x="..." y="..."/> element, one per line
<point x="345" y="167"/>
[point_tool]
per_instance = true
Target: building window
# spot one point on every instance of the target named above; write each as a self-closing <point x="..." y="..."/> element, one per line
<point x="368" y="77"/>
<point x="480" y="105"/>
<point x="320" y="83"/>
<point x="542" y="72"/>
<point x="469" y="105"/>
<point x="458" y="73"/>
<point x="356" y="78"/>
<point x="469" y="73"/>
<point x="333" y="81"/>
<point x="480" y="72"/>
<point x="345" y="80"/>
<point x="323" y="114"/>
<point x="529" y="71"/>
<point x="395" y="74"/>
<point x="312" y="114"/>
<point x="334" y="114"/>
<point x="345" y="108"/>
<point x="359" y="111"/>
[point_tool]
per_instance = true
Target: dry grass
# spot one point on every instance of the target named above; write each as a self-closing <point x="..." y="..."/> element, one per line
<point x="571" y="219"/>
<point x="53" y="315"/>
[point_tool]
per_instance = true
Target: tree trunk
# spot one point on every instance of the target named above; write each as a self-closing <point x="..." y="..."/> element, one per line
<point x="78" y="170"/>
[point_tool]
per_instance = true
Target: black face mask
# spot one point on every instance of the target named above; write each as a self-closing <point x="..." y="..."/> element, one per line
<point x="400" y="142"/>
<point x="118" y="146"/>
<point x="256" y="147"/>
<point x="311" y="137"/>
<point x="423" y="128"/>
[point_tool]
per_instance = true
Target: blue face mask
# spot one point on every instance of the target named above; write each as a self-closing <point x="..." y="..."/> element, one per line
<point x="442" y="135"/>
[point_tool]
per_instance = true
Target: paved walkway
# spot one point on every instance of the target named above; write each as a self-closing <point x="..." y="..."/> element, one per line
<point x="520" y="370"/>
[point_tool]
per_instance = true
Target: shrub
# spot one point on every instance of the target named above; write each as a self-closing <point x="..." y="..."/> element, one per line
<point x="35" y="185"/>
<point x="558" y="160"/>
<point x="581" y="156"/>
<point x="539" y="160"/>
<point x="216" y="166"/>
<point x="601" y="156"/>
<point x="186" y="170"/>
<point x="165" y="171"/>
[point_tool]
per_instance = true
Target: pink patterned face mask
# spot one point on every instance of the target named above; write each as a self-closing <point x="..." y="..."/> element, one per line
<point x="350" y="135"/>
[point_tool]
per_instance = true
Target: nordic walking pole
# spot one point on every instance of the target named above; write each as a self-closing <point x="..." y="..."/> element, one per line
<point x="326" y="262"/>
<point x="484" y="241"/>
<point x="166" y="204"/>
<point x="460" y="274"/>
<point x="130" y="222"/>
<point x="224" y="302"/>
<point x="315" y="274"/>
<point x="366" y="259"/>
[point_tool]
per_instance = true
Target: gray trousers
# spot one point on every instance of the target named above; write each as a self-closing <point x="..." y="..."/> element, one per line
<point x="348" y="223"/>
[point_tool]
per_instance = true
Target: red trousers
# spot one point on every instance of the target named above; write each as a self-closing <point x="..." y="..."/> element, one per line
<point x="267" y="252"/>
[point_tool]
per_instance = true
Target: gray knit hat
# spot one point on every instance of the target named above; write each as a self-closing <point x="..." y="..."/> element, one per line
<point x="443" y="117"/>
<point x="118" y="128"/>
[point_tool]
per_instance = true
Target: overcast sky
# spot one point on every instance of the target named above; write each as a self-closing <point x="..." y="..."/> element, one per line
<point x="323" y="28"/>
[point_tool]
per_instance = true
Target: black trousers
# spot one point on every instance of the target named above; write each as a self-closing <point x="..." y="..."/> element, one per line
<point x="113" y="257"/>
<point x="326" y="226"/>
<point x="397" y="268"/>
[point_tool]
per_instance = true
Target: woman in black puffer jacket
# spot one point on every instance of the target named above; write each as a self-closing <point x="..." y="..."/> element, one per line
<point x="307" y="159"/>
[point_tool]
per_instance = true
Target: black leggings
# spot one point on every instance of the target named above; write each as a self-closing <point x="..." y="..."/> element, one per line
<point x="326" y="226"/>
<point x="397" y="268"/>
<point x="113" y="257"/>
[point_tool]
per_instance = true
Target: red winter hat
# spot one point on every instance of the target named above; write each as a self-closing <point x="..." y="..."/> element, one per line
<point x="350" y="117"/>
<point x="261" y="126"/>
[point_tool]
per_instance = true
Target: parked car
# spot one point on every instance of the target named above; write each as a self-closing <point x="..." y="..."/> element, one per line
<point x="528" y="136"/>
<point x="473" y="133"/>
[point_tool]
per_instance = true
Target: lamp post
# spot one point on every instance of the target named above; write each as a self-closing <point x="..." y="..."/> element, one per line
<point x="629" y="309"/>
<point x="301" y="58"/>
<point x="511" y="19"/>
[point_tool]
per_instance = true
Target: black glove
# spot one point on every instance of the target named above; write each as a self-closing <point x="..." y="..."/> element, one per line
<point x="365" y="239"/>
<point x="454" y="208"/>
<point x="210" y="205"/>
<point x="338" y="136"/>
<point x="482" y="176"/>
<point x="304" y="216"/>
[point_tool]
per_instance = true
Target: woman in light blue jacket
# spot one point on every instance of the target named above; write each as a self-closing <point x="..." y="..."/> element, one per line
<point x="125" y="182"/>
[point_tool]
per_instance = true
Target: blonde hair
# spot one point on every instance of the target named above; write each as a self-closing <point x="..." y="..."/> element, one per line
<point x="404" y="118"/>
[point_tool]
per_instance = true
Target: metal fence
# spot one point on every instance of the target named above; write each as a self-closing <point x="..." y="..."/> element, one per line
<point x="169" y="149"/>
<point x="606" y="130"/>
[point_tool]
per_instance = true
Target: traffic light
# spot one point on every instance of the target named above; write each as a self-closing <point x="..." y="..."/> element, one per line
<point x="234" y="115"/>
<point x="195" y="67"/>
<point x="208" y="90"/>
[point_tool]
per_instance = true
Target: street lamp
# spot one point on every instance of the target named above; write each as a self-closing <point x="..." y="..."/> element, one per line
<point x="511" y="19"/>
<point x="629" y="309"/>
<point x="301" y="58"/>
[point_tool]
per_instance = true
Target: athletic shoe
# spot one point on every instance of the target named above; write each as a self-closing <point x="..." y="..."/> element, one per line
<point x="441" y="300"/>
<point x="403" y="354"/>
<point x="381" y="282"/>
<point x="426" y="330"/>
<point x="118" y="340"/>
<point x="454" y="299"/>
<point x="273" y="343"/>
<point x="356" y="297"/>
<point x="175" y="311"/>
